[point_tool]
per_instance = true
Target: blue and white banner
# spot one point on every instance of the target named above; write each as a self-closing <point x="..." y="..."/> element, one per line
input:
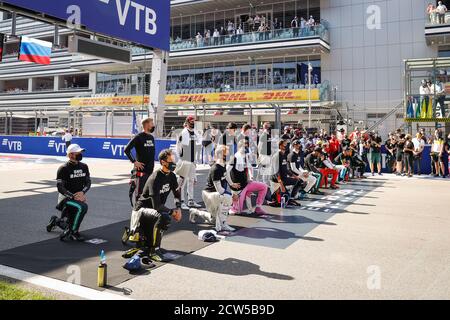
<point x="146" y="22"/>
<point x="54" y="146"/>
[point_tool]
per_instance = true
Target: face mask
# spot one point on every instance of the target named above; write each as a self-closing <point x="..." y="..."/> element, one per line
<point x="171" y="166"/>
<point x="152" y="129"/>
<point x="79" y="157"/>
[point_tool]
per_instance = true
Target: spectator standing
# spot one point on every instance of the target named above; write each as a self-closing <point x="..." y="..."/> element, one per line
<point x="216" y="36"/>
<point x="295" y="26"/>
<point x="441" y="10"/>
<point x="302" y="26"/>
<point x="223" y="34"/>
<point x="431" y="11"/>
<point x="199" y="39"/>
<point x="239" y="33"/>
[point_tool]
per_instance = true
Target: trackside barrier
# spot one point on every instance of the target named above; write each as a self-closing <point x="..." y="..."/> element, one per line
<point x="114" y="148"/>
<point x="55" y="146"/>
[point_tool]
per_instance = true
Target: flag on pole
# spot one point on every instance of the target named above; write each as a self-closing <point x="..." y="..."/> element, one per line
<point x="2" y="43"/>
<point x="134" y="126"/>
<point x="35" y="50"/>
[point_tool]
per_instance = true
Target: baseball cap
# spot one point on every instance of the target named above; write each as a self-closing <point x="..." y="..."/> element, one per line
<point x="295" y="142"/>
<point x="209" y="236"/>
<point x="74" y="148"/>
<point x="190" y="118"/>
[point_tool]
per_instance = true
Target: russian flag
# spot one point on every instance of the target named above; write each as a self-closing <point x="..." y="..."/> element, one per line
<point x="34" y="50"/>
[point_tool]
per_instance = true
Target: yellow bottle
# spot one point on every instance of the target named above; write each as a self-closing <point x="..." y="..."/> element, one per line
<point x="102" y="271"/>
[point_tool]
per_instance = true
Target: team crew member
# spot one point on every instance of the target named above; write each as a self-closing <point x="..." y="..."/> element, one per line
<point x="216" y="195"/>
<point x="375" y="153"/>
<point x="295" y="167"/>
<point x="419" y="146"/>
<point x="343" y="160"/>
<point x="312" y="165"/>
<point x="67" y="138"/>
<point x="400" y="154"/>
<point x="437" y="150"/>
<point x="228" y="138"/>
<point x="186" y="168"/>
<point x="240" y="180"/>
<point x="73" y="182"/>
<point x="150" y="213"/>
<point x="357" y="164"/>
<point x="326" y="168"/>
<point x="282" y="174"/>
<point x="144" y="163"/>
<point x="265" y="153"/>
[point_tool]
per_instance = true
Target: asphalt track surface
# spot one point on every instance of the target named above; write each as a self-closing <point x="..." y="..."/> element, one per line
<point x="383" y="237"/>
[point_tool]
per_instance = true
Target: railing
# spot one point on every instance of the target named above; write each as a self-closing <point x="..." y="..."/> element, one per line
<point x="434" y="19"/>
<point x="252" y="37"/>
<point x="394" y="112"/>
<point x="324" y="89"/>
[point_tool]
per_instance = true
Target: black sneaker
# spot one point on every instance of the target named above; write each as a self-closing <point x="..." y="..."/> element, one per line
<point x="65" y="235"/>
<point x="319" y="193"/>
<point x="52" y="223"/>
<point x="148" y="262"/>
<point x="76" y="236"/>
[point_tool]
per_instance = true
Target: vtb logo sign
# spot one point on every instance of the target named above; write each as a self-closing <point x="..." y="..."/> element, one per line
<point x="116" y="149"/>
<point x="124" y="9"/>
<point x="60" y="147"/>
<point x="12" y="145"/>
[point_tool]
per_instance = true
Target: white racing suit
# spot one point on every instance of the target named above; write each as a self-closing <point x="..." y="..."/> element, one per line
<point x="310" y="180"/>
<point x="186" y="168"/>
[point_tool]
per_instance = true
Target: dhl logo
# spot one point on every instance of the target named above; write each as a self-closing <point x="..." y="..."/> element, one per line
<point x="283" y="95"/>
<point x="191" y="98"/>
<point x="224" y="97"/>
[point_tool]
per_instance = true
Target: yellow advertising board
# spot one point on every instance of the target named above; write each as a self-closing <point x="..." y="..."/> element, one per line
<point x="209" y="98"/>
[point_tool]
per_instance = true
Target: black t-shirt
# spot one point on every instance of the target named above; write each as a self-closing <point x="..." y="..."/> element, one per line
<point x="144" y="144"/>
<point x="295" y="158"/>
<point x="216" y="173"/>
<point x="409" y="145"/>
<point x="74" y="176"/>
<point x="283" y="165"/>
<point x="310" y="163"/>
<point x="373" y="148"/>
<point x="156" y="190"/>
<point x="237" y="176"/>
<point x="400" y="147"/>
<point x="391" y="146"/>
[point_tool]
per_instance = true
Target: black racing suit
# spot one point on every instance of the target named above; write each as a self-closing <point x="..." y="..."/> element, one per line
<point x="155" y="216"/>
<point x="72" y="178"/>
<point x="144" y="145"/>
<point x="281" y="170"/>
<point x="357" y="164"/>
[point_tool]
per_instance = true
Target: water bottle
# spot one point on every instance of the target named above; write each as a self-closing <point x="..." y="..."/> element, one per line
<point x="102" y="270"/>
<point x="283" y="202"/>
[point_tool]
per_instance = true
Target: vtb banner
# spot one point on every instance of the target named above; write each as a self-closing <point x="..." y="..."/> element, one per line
<point x="210" y="98"/>
<point x="145" y="22"/>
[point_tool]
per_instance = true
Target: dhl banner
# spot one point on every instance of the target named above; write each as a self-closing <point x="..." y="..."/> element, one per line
<point x="209" y="98"/>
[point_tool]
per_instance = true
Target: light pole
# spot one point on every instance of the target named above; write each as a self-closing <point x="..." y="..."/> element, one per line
<point x="310" y="69"/>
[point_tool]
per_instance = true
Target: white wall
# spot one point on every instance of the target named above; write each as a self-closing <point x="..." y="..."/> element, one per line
<point x="367" y="65"/>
